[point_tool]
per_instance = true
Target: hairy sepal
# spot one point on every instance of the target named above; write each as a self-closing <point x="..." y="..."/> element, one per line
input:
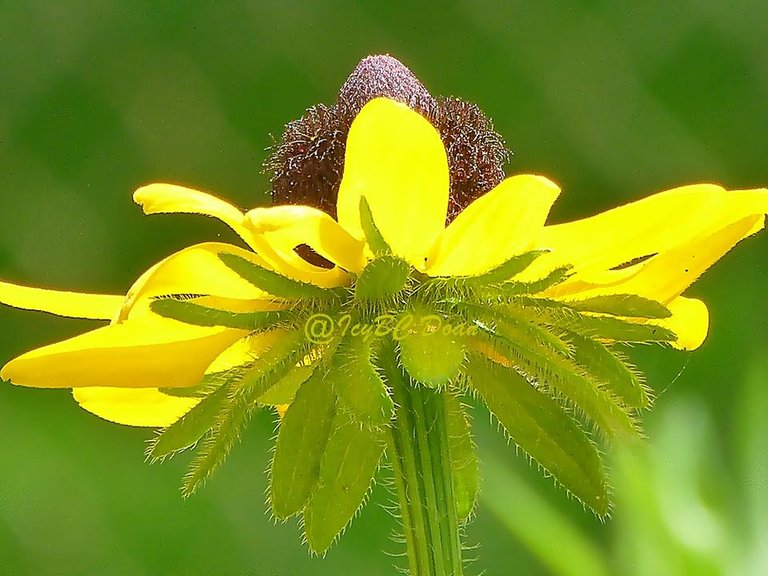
<point x="373" y="236"/>
<point x="501" y="273"/>
<point x="609" y="369"/>
<point x="551" y="370"/>
<point x="606" y="327"/>
<point x="275" y="362"/>
<point x="192" y="313"/>
<point x="538" y="425"/>
<point x="300" y="445"/>
<point x="188" y="429"/>
<point x="234" y="413"/>
<point x="628" y="305"/>
<point x="348" y="466"/>
<point x="382" y="279"/>
<point x="285" y="390"/>
<point x="360" y="390"/>
<point x="243" y="393"/>
<point x="516" y="288"/>
<point x="209" y="383"/>
<point x="276" y="284"/>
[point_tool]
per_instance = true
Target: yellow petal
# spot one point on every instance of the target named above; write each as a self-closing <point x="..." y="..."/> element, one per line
<point x="668" y="274"/>
<point x="291" y="265"/>
<point x="194" y="270"/>
<point x="143" y="352"/>
<point x="500" y="224"/>
<point x="689" y="320"/>
<point x="70" y="304"/>
<point x="134" y="407"/>
<point x="149" y="406"/>
<point x="294" y="266"/>
<point x="286" y="227"/>
<point x="170" y="198"/>
<point x="650" y="226"/>
<point x="395" y="158"/>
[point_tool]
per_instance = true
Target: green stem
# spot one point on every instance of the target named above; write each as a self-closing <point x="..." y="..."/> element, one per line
<point x="418" y="449"/>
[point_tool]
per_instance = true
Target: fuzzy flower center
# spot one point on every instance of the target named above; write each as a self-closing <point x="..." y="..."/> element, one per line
<point x="307" y="163"/>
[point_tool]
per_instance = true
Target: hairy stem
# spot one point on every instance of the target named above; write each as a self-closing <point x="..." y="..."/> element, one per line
<point x="418" y="449"/>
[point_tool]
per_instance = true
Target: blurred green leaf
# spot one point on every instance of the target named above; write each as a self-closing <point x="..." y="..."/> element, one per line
<point x="541" y="527"/>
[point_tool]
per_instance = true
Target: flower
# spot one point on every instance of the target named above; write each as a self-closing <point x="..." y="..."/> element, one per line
<point x="214" y="330"/>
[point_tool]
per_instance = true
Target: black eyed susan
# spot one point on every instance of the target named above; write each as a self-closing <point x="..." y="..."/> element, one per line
<point x="403" y="274"/>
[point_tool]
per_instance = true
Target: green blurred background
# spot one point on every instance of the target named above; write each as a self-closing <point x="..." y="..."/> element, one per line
<point x="613" y="100"/>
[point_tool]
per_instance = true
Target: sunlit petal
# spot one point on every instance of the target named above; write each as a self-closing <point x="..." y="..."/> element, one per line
<point x="395" y="158"/>
<point x="649" y="226"/>
<point x="291" y="265"/>
<point x="500" y="224"/>
<point x="144" y="352"/>
<point x="132" y="406"/>
<point x="286" y="227"/>
<point x="70" y="304"/>
<point x="194" y="270"/>
<point x="149" y="406"/>
<point x="170" y="198"/>
<point x="244" y="350"/>
<point x="689" y="320"/>
<point x="666" y="275"/>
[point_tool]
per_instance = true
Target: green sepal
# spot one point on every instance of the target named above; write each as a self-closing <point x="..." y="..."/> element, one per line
<point x="629" y="305"/>
<point x="359" y="388"/>
<point x="556" y="372"/>
<point x="198" y="315"/>
<point x="372" y="233"/>
<point x="208" y="384"/>
<point x="382" y="278"/>
<point x="275" y="362"/>
<point x="188" y="429"/>
<point x="464" y="464"/>
<point x="523" y="320"/>
<point x="610" y="370"/>
<point x="431" y="351"/>
<point x="561" y="315"/>
<point x="347" y="469"/>
<point x="232" y="416"/>
<point x="277" y="284"/>
<point x="267" y="360"/>
<point x="612" y="328"/>
<point x="300" y="445"/>
<point x="285" y="390"/>
<point x="540" y="427"/>
<point x="501" y="273"/>
<point x="242" y="394"/>
<point x="557" y="276"/>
